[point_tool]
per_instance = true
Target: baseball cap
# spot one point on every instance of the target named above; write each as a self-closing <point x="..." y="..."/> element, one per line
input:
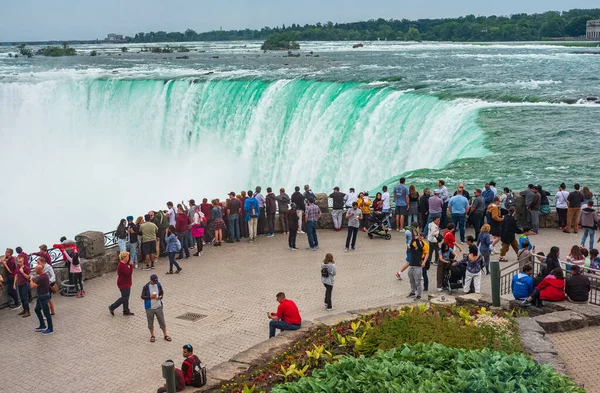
<point x="232" y="193"/>
<point x="436" y="191"/>
<point x="154" y="277"/>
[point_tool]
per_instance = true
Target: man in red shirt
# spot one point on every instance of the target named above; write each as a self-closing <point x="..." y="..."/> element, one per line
<point x="187" y="367"/>
<point x="287" y="316"/>
<point x="449" y="238"/>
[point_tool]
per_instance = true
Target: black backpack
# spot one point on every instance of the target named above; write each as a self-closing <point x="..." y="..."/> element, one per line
<point x="325" y="271"/>
<point x="198" y="373"/>
<point x="76" y="259"/>
<point x="253" y="212"/>
<point x="510" y="201"/>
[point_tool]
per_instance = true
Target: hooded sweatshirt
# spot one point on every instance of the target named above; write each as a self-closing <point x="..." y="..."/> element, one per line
<point x="588" y="218"/>
<point x="552" y="289"/>
<point x="271" y="203"/>
<point x="522" y="285"/>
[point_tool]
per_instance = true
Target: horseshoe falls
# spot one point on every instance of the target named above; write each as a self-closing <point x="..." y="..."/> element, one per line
<point x="87" y="141"/>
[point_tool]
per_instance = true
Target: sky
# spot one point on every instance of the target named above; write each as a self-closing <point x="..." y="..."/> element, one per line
<point x="29" y="20"/>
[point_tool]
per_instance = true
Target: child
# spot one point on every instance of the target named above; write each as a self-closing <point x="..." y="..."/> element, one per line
<point x="328" y="272"/>
<point x="523" y="238"/>
<point x="575" y="257"/>
<point x="594" y="260"/>
<point x="484" y="242"/>
<point x="75" y="270"/>
<point x="586" y="257"/>
<point x="525" y="255"/>
<point x="408" y="231"/>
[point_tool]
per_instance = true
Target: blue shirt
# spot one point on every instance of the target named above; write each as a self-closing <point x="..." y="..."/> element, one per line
<point x="488" y="197"/>
<point x="459" y="204"/>
<point x="401" y="192"/>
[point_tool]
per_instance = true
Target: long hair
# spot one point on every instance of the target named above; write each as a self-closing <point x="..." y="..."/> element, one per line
<point x="558" y="273"/>
<point x="554" y="252"/>
<point x="328" y="258"/>
<point x="412" y="191"/>
<point x="576" y="253"/>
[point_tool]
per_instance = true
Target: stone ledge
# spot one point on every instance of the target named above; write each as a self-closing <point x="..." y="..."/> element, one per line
<point x="227" y="370"/>
<point x="266" y="348"/>
<point x="529" y="325"/>
<point x="331" y="320"/>
<point x="589" y="311"/>
<point x="534" y="343"/>
<point x="551" y="360"/>
<point x="211" y="383"/>
<point x="394" y="306"/>
<point x="561" y="321"/>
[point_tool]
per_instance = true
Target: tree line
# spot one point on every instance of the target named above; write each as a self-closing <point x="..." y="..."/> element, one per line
<point x="516" y="27"/>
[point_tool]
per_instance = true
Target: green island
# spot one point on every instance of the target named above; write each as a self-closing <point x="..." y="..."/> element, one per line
<point x="411" y="349"/>
<point x="470" y="28"/>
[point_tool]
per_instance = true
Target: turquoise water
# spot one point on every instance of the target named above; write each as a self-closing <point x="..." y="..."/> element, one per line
<point x="138" y="129"/>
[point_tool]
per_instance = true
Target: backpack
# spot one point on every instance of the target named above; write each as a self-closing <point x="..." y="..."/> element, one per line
<point x="325" y="271"/>
<point x="75" y="259"/>
<point x="510" y="201"/>
<point x="253" y="212"/>
<point x="198" y="373"/>
<point x="178" y="245"/>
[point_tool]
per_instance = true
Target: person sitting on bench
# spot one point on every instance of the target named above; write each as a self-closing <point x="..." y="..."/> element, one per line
<point x="577" y="286"/>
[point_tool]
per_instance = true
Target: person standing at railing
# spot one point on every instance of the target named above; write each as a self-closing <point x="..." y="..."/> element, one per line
<point x="337" y="212"/>
<point x="424" y="208"/>
<point x="560" y="201"/>
<point x="233" y="206"/>
<point x="574" y="201"/>
<point x="271" y="211"/>
<point x="283" y="205"/>
<point x="149" y="234"/>
<point x="588" y="221"/>
<point x="534" y="210"/>
<point x="386" y="208"/>
<point x="401" y="200"/>
<point x="298" y="199"/>
<point x="509" y="230"/>
<point x="477" y="211"/>
<point x="121" y="235"/>
<point x="133" y="228"/>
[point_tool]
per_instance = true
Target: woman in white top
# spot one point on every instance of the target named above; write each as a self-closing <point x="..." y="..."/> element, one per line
<point x="560" y="200"/>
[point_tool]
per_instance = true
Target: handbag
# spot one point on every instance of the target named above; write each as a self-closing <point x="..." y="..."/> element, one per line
<point x="54" y="288"/>
<point x="545" y="209"/>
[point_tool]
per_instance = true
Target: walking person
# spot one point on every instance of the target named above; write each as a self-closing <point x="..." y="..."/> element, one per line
<point x="292" y="227"/>
<point x="133" y="230"/>
<point x="413" y="205"/>
<point x="283" y="205"/>
<point x="198" y="230"/>
<point x="337" y="212"/>
<point x="10" y="265"/>
<point x="217" y="222"/>
<point x="262" y="219"/>
<point x="121" y="235"/>
<point x="495" y="220"/>
<point x="589" y="220"/>
<point x="474" y="263"/>
<point x="271" y="209"/>
<point x="149" y="233"/>
<point x="354" y="215"/>
<point x="124" y="282"/>
<point x="434" y="238"/>
<point x="574" y="201"/>
<point x="298" y="199"/>
<point x="173" y="244"/>
<point x="416" y="265"/>
<point x="42" y="283"/>
<point x="252" y="212"/>
<point x="458" y="208"/>
<point x="560" y="200"/>
<point x="234" y="208"/>
<point x="182" y="227"/>
<point x="509" y="229"/>
<point x="328" y="273"/>
<point x="484" y="242"/>
<point x="21" y="284"/>
<point x="152" y="294"/>
<point x="401" y="200"/>
<point x="313" y="213"/>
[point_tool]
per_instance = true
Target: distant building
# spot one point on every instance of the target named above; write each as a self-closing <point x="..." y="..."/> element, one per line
<point x="592" y="30"/>
<point x="114" y="37"/>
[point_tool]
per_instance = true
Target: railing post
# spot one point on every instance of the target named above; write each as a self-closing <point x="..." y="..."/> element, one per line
<point x="495" y="276"/>
<point x="168" y="372"/>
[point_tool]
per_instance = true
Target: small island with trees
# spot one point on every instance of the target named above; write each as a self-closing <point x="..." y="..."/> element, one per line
<point x="283" y="41"/>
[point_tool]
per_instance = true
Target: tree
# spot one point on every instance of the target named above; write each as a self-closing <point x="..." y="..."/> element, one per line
<point x="577" y="26"/>
<point x="413" y="34"/>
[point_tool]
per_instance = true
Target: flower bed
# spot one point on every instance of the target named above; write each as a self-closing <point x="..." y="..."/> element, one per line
<point x="453" y="327"/>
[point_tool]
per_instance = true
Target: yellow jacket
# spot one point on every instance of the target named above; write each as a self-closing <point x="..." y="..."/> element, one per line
<point x="495" y="213"/>
<point x="365" y="207"/>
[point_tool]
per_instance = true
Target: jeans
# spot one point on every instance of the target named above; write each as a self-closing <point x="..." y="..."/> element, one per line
<point x="535" y="220"/>
<point x="444" y="216"/>
<point x="591" y="233"/>
<point x="385" y="211"/>
<point x="23" y="290"/>
<point x="123" y="300"/>
<point x="430" y="218"/>
<point x="42" y="305"/>
<point x="271" y="222"/>
<point x="173" y="262"/>
<point x="352" y="233"/>
<point x="336" y="215"/>
<point x="122" y="243"/>
<point x="182" y="236"/>
<point x="459" y="224"/>
<point x="12" y="292"/>
<point x="281" y="325"/>
<point x="133" y="252"/>
<point x="425" y="280"/>
<point x="486" y="261"/>
<point x="252" y="228"/>
<point x="411" y="218"/>
<point x="415" y="273"/>
<point x="311" y="232"/>
<point x="283" y="220"/>
<point x="234" y="227"/>
<point x="292" y="238"/>
<point x="328" y="291"/>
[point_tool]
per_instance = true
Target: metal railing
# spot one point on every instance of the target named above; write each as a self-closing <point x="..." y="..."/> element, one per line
<point x="56" y="256"/>
<point x="507" y="273"/>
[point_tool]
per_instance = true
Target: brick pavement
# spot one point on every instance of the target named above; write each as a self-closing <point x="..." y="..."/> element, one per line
<point x="233" y="285"/>
<point x="580" y="351"/>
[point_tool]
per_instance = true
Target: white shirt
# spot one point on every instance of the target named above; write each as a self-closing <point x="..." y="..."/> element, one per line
<point x="494" y="190"/>
<point x="171" y="213"/>
<point x="50" y="272"/>
<point x="561" y="199"/>
<point x="385" y="197"/>
<point x="350" y="198"/>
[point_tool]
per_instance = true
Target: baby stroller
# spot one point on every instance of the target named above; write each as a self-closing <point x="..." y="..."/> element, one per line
<point x="454" y="276"/>
<point x="379" y="225"/>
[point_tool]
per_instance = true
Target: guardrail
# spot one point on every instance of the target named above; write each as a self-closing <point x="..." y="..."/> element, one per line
<point x="56" y="257"/>
<point x="507" y="273"/>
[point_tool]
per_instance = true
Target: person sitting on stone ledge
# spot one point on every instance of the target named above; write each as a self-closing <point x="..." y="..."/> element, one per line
<point x="522" y="283"/>
<point x="287" y="316"/>
<point x="179" y="381"/>
<point x="577" y="286"/>
<point x="552" y="288"/>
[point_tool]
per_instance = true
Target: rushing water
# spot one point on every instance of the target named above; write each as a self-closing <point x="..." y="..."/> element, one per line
<point x="87" y="140"/>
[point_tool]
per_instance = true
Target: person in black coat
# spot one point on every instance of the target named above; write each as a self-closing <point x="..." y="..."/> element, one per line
<point x="507" y="236"/>
<point x="424" y="208"/>
<point x="577" y="287"/>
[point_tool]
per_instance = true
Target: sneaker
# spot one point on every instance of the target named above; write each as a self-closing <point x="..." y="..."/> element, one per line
<point x="22" y="312"/>
<point x="411" y="294"/>
<point x="41" y="328"/>
<point x="48" y="331"/>
<point x="270" y="235"/>
<point x="418" y="298"/>
<point x="129" y="314"/>
<point x="146" y="268"/>
<point x="78" y="294"/>
<point x="525" y="303"/>
<point x="399" y="275"/>
<point x="330" y="309"/>
<point x="439" y="289"/>
<point x="27" y="314"/>
<point x="353" y="248"/>
<point x="135" y="266"/>
<point x="316" y="248"/>
<point x="301" y="232"/>
<point x="112" y="312"/>
<point x="152" y="267"/>
<point x="345" y="249"/>
<point x="15" y="307"/>
<point x="294" y="249"/>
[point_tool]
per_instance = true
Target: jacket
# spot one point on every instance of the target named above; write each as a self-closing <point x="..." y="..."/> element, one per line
<point x="577" y="288"/>
<point x="588" y="218"/>
<point x="146" y="294"/>
<point x="292" y="217"/>
<point x="332" y="271"/>
<point x="271" y="204"/>
<point x="248" y="205"/>
<point x="473" y="267"/>
<point x="484" y="242"/>
<point x="364" y="206"/>
<point x="509" y="229"/>
<point x="121" y="232"/>
<point x="298" y="199"/>
<point x="433" y="232"/>
<point x="424" y="204"/>
<point x="182" y="222"/>
<point x="552" y="289"/>
<point x="171" y="241"/>
<point x="522" y="285"/>
<point x="283" y="202"/>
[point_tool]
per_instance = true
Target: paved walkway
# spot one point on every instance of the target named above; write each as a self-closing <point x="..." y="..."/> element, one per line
<point x="233" y="285"/>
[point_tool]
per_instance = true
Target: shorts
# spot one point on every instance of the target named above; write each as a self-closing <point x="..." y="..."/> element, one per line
<point x="401" y="210"/>
<point x="149" y="247"/>
<point x="151" y="312"/>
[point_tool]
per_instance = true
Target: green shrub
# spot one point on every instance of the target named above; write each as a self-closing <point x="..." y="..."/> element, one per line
<point x="433" y="327"/>
<point x="426" y="368"/>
